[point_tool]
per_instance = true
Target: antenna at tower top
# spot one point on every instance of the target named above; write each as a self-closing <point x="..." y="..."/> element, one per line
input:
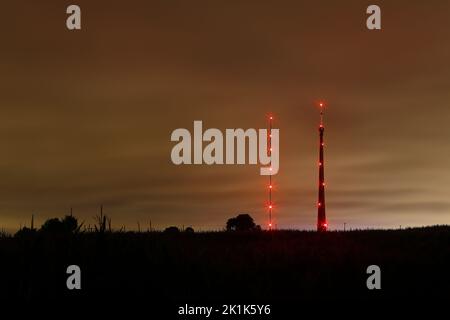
<point x="322" y="107"/>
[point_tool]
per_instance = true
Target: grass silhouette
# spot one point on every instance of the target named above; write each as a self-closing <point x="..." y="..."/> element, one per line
<point x="213" y="266"/>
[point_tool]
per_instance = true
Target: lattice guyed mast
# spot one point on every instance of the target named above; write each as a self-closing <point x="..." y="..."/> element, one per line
<point x="269" y="151"/>
<point x="322" y="224"/>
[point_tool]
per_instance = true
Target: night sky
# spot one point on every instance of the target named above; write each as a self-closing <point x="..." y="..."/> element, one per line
<point x="86" y="116"/>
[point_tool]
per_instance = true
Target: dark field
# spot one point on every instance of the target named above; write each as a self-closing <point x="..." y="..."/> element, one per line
<point x="228" y="266"/>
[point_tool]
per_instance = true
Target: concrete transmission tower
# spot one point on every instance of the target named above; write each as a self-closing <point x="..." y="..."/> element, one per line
<point x="322" y="224"/>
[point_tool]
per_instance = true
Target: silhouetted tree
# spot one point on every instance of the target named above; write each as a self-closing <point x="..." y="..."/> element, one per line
<point x="53" y="225"/>
<point x="242" y="222"/>
<point x="67" y="225"/>
<point x="70" y="224"/>
<point x="172" y="230"/>
<point x="189" y="230"/>
<point x="25" y="232"/>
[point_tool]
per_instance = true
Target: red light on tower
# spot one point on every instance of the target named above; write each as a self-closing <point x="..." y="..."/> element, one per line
<point x="320" y="103"/>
